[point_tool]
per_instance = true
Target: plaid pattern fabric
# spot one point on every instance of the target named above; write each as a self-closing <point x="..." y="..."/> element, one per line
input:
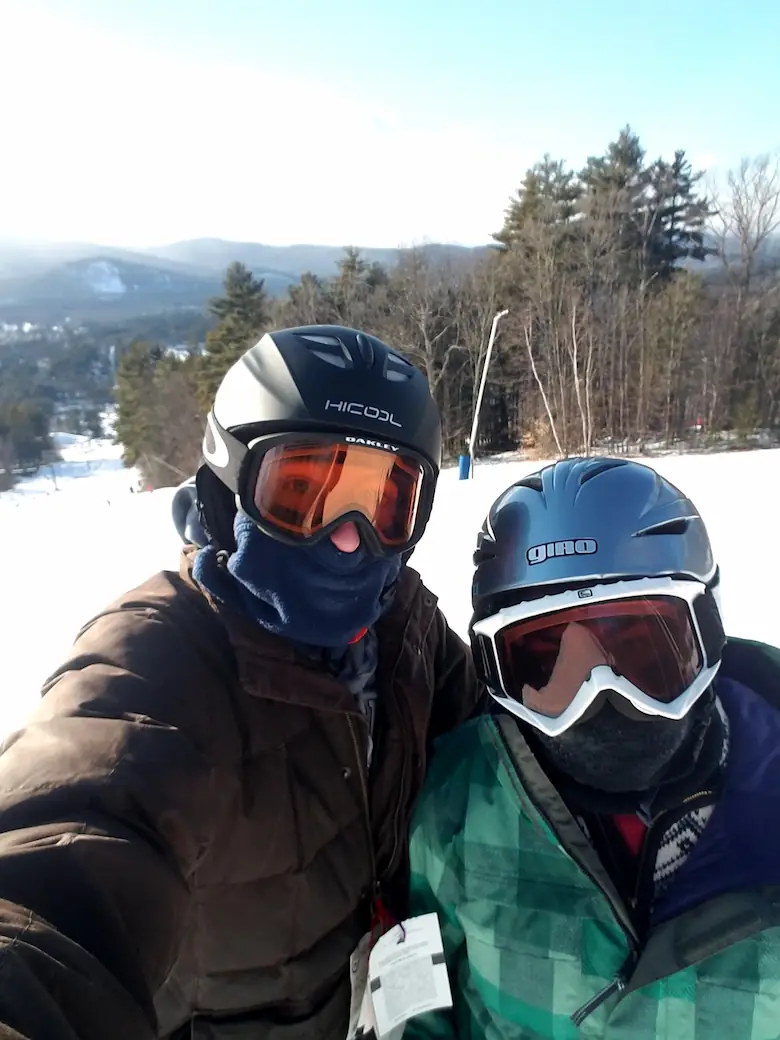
<point x="530" y="938"/>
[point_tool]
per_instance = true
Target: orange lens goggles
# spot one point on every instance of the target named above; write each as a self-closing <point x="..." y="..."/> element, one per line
<point x="302" y="488"/>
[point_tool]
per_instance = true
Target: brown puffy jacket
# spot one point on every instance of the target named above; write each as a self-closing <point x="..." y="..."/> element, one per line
<point x="189" y="833"/>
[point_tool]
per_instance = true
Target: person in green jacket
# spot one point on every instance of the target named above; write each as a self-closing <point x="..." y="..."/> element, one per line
<point x="603" y="849"/>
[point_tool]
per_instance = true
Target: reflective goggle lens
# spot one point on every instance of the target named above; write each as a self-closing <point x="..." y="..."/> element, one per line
<point x="302" y="487"/>
<point x="650" y="641"/>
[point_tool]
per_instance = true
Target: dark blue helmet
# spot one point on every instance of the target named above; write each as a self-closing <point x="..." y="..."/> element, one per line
<point x="584" y="521"/>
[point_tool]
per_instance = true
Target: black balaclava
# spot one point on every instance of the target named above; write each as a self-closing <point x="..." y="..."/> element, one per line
<point x="617" y="761"/>
<point x="311" y="594"/>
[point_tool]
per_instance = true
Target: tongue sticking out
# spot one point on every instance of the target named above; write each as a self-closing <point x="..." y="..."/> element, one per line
<point x="346" y="538"/>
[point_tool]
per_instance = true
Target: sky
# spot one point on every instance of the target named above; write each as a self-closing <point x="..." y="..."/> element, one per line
<point x="370" y="122"/>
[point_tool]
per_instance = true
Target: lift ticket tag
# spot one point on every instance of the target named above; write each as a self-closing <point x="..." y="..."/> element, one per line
<point x="402" y="976"/>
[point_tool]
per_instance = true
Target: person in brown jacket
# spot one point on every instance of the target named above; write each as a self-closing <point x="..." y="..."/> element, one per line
<point x="209" y="807"/>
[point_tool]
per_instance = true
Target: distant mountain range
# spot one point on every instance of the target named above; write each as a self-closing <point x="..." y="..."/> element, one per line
<point x="47" y="283"/>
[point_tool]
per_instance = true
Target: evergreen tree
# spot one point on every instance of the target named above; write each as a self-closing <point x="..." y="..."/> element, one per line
<point x="24" y="434"/>
<point x="304" y="304"/>
<point x="653" y="212"/>
<point x="376" y="276"/>
<point x="351" y="266"/>
<point x="177" y="451"/>
<point x="137" y="423"/>
<point x="614" y="201"/>
<point x="349" y="292"/>
<point x="244" y="299"/>
<point x="549" y="195"/>
<point x="158" y="420"/>
<point x="678" y="232"/>
<point x="243" y="318"/>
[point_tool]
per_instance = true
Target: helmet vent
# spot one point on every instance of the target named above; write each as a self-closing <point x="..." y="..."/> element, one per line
<point x="329" y="349"/>
<point x="598" y="468"/>
<point x="534" y="483"/>
<point x="678" y="526"/>
<point x="366" y="350"/>
<point x="326" y="341"/>
<point x="398" y="369"/>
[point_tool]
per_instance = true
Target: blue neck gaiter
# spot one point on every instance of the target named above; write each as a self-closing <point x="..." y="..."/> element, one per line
<point x="317" y="595"/>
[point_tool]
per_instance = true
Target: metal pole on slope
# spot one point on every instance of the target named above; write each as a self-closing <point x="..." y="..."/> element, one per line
<point x="483" y="380"/>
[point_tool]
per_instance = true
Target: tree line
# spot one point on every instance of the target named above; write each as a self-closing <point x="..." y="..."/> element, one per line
<point x="63" y="378"/>
<point x="641" y="309"/>
<point x="25" y="442"/>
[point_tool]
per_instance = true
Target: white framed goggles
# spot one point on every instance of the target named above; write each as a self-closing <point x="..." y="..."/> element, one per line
<point x="654" y="641"/>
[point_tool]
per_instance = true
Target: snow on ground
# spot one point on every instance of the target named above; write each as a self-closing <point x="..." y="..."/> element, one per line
<point x="69" y="552"/>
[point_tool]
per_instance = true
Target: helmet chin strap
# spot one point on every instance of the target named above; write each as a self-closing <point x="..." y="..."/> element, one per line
<point x="217" y="509"/>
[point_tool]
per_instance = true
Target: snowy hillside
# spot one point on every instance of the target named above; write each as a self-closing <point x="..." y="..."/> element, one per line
<point x="104" y="279"/>
<point x="69" y="551"/>
<point x="102" y="287"/>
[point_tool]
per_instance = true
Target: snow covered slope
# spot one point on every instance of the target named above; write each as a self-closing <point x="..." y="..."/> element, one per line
<point x="69" y="552"/>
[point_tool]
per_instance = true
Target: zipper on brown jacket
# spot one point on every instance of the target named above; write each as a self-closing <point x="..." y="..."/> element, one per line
<point x="399" y="806"/>
<point x="359" y="759"/>
<point x="381" y="918"/>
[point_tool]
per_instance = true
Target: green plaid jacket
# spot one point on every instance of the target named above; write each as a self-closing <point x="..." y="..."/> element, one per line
<point x="535" y="932"/>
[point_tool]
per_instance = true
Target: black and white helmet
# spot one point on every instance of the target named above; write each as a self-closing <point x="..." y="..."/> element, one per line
<point x="314" y="379"/>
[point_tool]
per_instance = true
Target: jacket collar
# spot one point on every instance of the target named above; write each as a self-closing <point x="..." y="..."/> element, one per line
<point x="270" y="666"/>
